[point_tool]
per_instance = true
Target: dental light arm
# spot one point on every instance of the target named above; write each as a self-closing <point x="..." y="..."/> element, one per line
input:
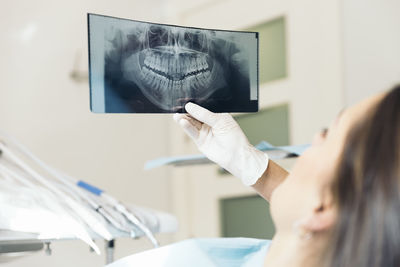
<point x="220" y="138"/>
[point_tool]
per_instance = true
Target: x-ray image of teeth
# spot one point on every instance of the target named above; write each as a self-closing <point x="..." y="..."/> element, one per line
<point x="141" y="67"/>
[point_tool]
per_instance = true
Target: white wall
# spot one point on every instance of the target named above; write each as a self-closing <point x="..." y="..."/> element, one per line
<point x="42" y="107"/>
<point x="371" y="46"/>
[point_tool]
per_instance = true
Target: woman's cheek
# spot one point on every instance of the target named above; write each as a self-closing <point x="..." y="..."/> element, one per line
<point x="286" y="204"/>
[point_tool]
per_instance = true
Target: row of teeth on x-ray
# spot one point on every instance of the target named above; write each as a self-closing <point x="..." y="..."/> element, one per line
<point x="183" y="66"/>
<point x="176" y="72"/>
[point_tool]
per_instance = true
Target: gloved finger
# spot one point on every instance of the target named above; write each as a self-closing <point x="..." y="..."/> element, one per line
<point x="201" y="114"/>
<point x="190" y="126"/>
<point x="193" y="121"/>
<point x="177" y="117"/>
<point x="189" y="129"/>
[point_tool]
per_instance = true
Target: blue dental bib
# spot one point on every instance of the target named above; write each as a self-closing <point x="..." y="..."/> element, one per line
<point x="202" y="252"/>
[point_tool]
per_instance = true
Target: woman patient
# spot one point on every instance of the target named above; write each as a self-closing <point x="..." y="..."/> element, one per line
<point x="340" y="205"/>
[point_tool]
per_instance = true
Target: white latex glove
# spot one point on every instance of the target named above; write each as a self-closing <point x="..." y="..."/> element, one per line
<point x="219" y="138"/>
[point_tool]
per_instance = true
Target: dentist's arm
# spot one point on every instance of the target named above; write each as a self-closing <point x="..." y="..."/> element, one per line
<point x="273" y="176"/>
<point x="219" y="137"/>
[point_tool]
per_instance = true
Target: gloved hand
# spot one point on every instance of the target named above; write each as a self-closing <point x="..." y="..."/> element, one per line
<point x="219" y="137"/>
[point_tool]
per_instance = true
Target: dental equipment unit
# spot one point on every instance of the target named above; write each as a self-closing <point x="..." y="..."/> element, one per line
<point x="58" y="196"/>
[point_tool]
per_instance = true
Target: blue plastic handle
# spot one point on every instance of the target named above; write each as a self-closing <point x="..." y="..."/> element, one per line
<point x="90" y="188"/>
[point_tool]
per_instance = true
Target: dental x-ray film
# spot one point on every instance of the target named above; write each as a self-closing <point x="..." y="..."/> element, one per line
<point x="141" y="67"/>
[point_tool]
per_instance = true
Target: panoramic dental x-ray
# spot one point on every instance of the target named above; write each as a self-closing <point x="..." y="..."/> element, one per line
<point x="140" y="67"/>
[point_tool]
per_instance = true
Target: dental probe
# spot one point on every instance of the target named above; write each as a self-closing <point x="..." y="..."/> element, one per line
<point x="131" y="217"/>
<point x="96" y="207"/>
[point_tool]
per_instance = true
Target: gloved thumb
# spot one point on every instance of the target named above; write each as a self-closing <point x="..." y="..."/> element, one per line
<point x="201" y="114"/>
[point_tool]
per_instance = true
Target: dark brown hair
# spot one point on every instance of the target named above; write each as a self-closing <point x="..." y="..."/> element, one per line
<point x="367" y="191"/>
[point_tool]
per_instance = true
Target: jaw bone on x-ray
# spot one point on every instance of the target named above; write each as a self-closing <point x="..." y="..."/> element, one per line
<point x="140" y="67"/>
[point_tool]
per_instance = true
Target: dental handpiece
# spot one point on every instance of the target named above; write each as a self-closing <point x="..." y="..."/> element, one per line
<point x="121" y="208"/>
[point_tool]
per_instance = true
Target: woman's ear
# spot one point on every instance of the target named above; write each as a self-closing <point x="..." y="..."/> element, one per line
<point x="321" y="219"/>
